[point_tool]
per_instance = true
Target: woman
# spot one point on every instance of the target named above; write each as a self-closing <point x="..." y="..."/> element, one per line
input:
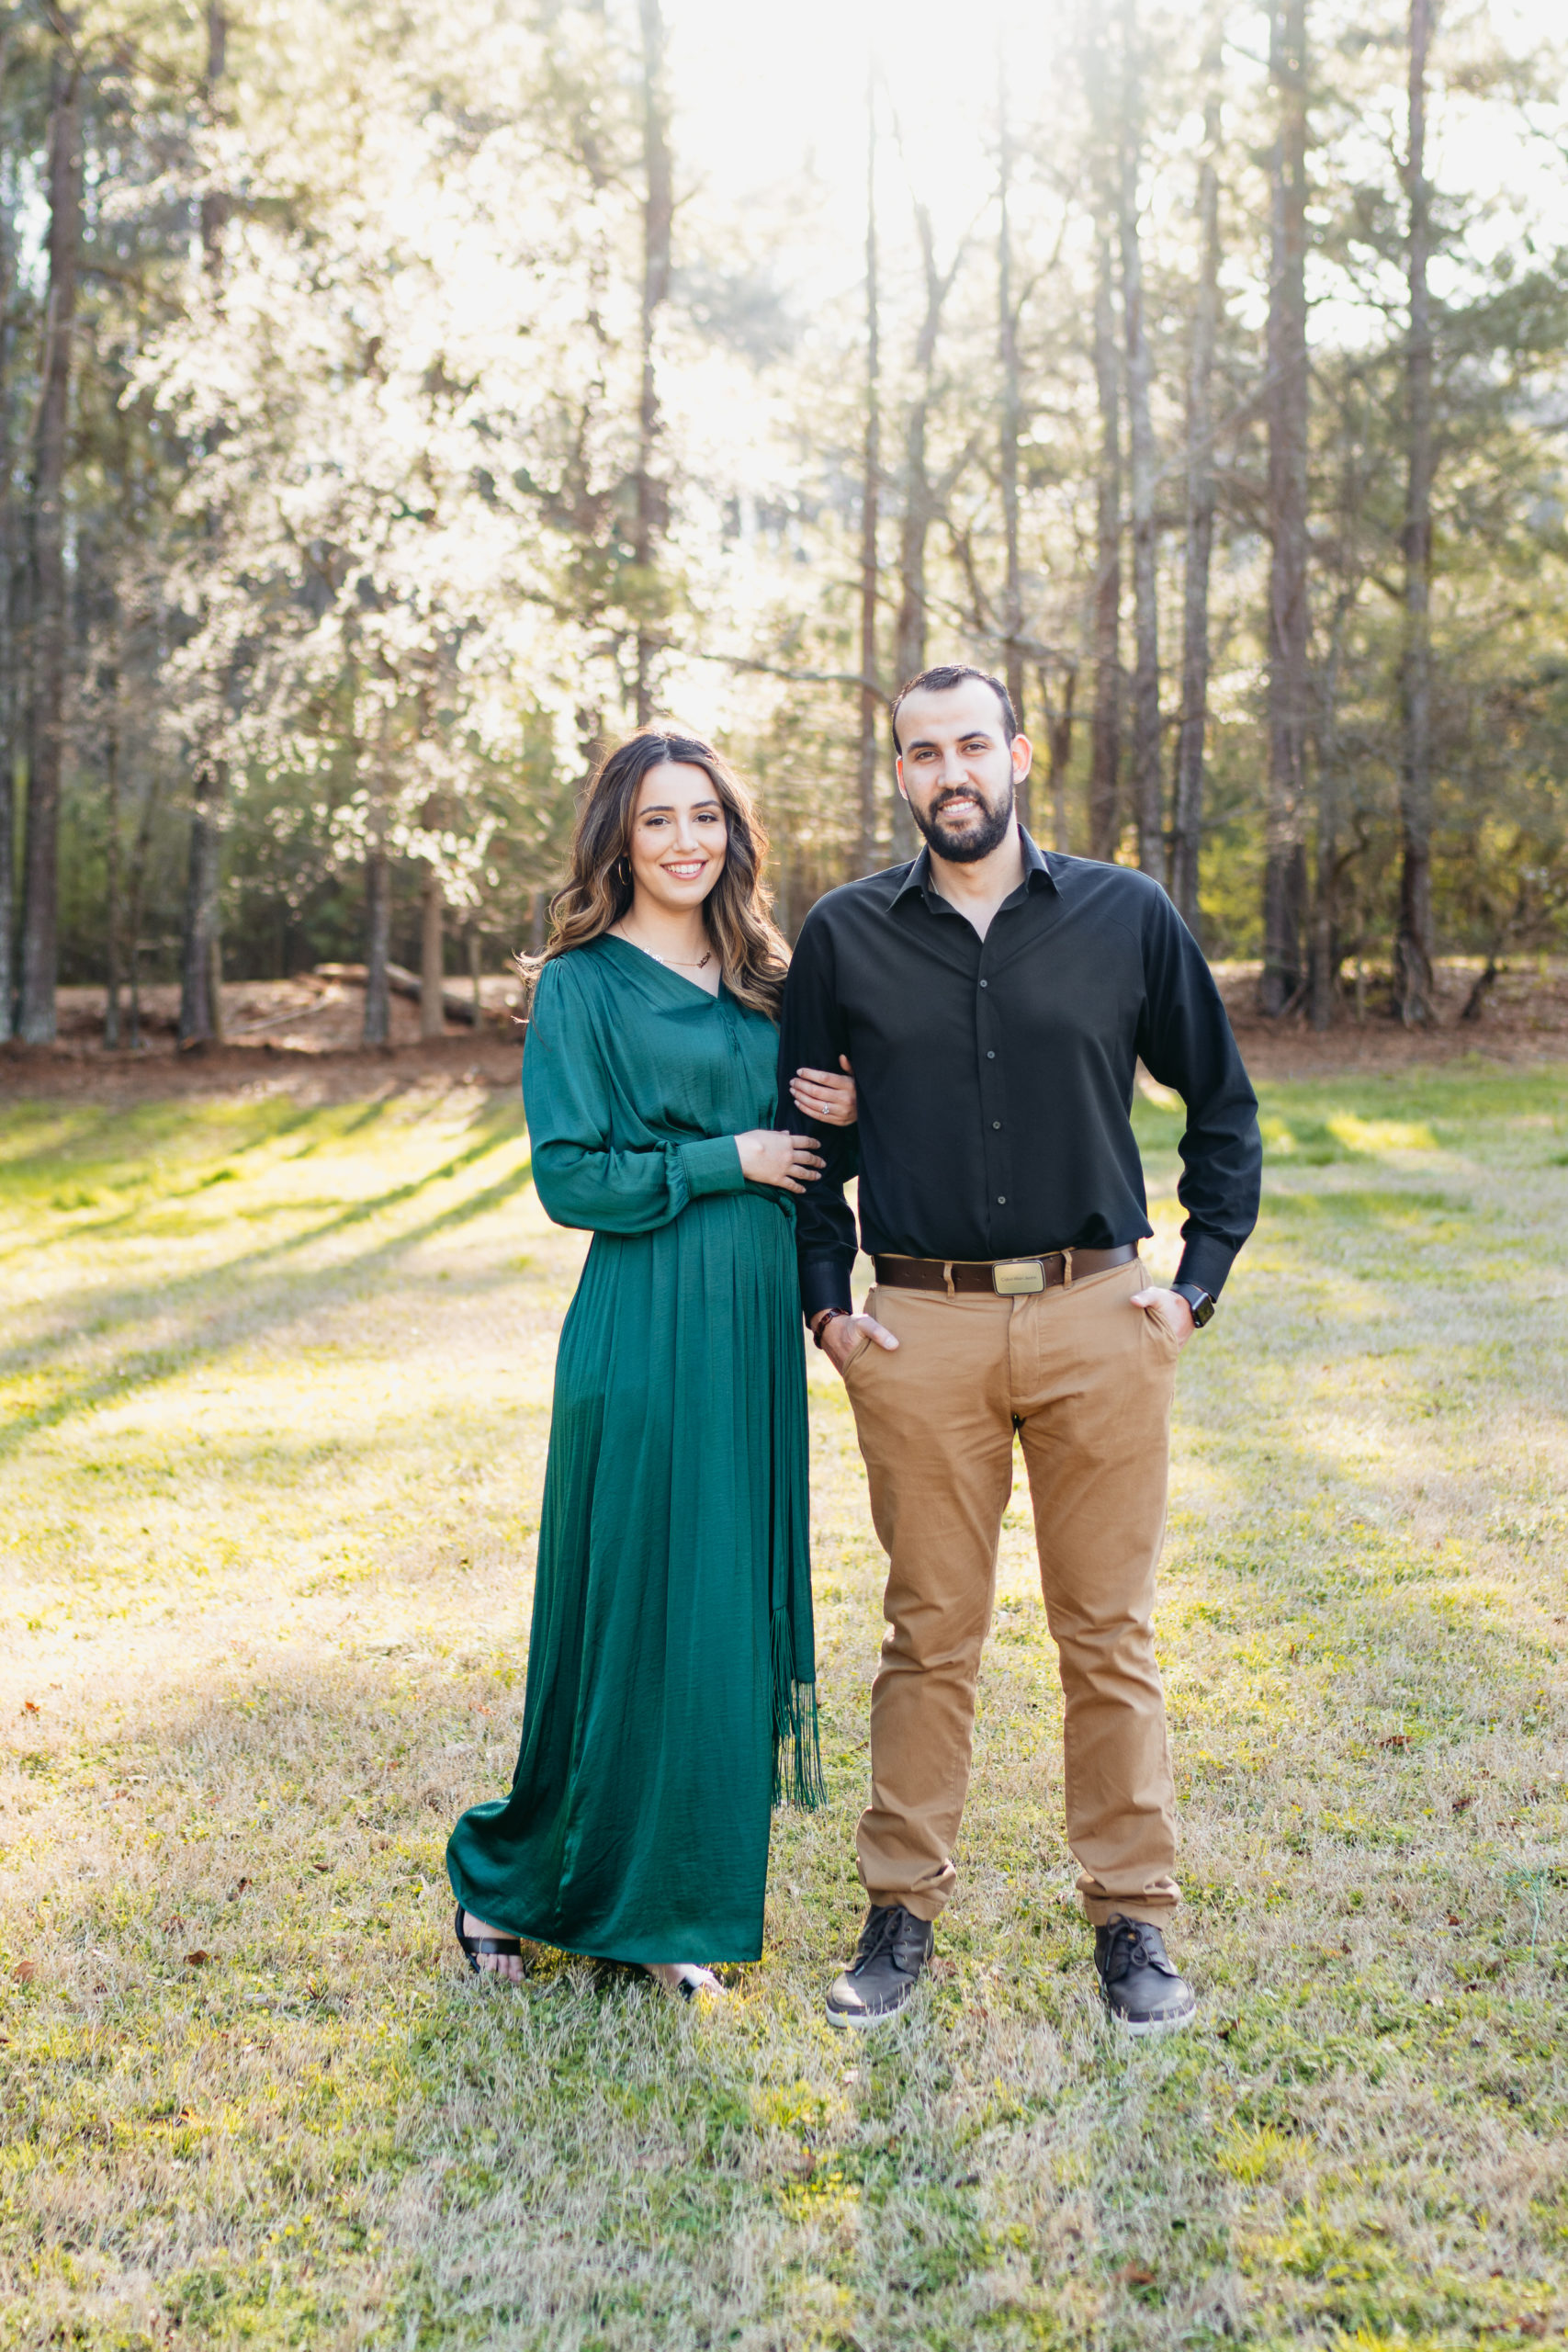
<point x="670" y="1673"/>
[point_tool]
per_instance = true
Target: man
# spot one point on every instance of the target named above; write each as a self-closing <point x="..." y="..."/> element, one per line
<point x="993" y="1003"/>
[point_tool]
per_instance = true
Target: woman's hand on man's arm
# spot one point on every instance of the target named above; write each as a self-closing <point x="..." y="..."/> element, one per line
<point x="773" y="1156"/>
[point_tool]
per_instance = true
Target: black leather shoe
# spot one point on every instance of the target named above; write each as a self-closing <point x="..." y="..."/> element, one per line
<point x="894" y="1947"/>
<point x="1142" y="1991"/>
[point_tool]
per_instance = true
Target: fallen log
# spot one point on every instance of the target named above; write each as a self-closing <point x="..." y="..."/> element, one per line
<point x="403" y="982"/>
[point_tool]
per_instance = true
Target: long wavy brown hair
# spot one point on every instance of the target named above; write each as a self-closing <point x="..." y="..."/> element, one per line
<point x="751" y="954"/>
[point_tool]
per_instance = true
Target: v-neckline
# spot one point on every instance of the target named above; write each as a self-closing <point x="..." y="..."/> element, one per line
<point x="713" y="996"/>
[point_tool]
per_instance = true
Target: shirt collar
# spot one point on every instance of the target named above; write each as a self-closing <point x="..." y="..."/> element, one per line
<point x="1037" y="873"/>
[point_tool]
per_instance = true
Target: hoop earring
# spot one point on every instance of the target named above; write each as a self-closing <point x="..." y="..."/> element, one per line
<point x="624" y="869"/>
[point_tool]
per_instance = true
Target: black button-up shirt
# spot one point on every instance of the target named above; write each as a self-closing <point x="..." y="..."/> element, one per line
<point x="995" y="1076"/>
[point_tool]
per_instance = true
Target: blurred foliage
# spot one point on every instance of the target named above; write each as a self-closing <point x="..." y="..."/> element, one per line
<point x="353" y="484"/>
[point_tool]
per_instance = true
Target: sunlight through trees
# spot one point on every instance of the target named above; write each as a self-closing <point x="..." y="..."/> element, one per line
<point x="396" y="403"/>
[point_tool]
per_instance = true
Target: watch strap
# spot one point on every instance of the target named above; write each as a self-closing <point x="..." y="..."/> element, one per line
<point x="1199" y="1300"/>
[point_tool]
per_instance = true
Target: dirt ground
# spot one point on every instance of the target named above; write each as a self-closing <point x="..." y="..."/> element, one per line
<point x="303" y="1036"/>
<point x="1521" y="1018"/>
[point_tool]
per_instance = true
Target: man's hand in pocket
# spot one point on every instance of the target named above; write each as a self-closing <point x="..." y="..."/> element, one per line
<point x="844" y="1333"/>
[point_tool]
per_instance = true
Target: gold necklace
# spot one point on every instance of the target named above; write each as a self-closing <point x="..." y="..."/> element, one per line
<point x="673" y="963"/>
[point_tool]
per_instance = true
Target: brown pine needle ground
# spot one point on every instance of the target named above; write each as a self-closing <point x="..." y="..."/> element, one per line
<point x="274" y="1386"/>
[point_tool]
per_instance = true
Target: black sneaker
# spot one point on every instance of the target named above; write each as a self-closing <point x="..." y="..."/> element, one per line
<point x="1142" y="1991"/>
<point x="894" y="1947"/>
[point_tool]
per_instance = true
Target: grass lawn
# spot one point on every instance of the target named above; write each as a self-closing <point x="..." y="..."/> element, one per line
<point x="274" y="1405"/>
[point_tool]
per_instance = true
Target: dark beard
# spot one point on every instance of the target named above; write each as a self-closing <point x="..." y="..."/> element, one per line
<point x="967" y="848"/>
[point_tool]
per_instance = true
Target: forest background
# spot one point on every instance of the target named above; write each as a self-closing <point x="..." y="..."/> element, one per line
<point x="396" y="403"/>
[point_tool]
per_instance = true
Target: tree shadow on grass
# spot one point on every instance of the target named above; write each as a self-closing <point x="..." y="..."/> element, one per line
<point x="498" y="1124"/>
<point x="81" y="1307"/>
<point x="105" y="1138"/>
<point x="241" y="1287"/>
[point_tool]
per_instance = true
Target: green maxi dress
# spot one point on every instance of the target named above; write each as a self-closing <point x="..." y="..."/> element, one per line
<point x="670" y="1668"/>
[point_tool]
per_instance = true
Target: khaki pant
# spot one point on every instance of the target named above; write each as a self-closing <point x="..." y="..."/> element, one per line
<point x="1086" y="1380"/>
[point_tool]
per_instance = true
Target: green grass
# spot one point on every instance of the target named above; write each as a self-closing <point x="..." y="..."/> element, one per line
<point x="274" y="1404"/>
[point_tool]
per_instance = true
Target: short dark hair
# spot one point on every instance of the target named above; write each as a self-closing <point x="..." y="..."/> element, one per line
<point x="939" y="681"/>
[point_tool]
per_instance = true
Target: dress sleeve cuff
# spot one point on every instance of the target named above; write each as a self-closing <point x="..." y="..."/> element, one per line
<point x="711" y="1165"/>
<point x="1206" y="1260"/>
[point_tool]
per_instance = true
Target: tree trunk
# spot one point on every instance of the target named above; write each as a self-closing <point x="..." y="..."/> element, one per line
<point x="1105" y="723"/>
<point x="200" y="1015"/>
<point x="475" y="990"/>
<point x="1148" y="795"/>
<point x="1413" y="946"/>
<point x="1323" y="965"/>
<point x="201" y="1003"/>
<point x="114" y="915"/>
<point x="871" y="492"/>
<point x="1187" y="827"/>
<point x="657" y="224"/>
<point x="1284" y="883"/>
<point x="7" y="886"/>
<point x="39" y="936"/>
<point x="214" y="202"/>
<point x="1323" y="960"/>
<point x="431" y="974"/>
<point x="1010" y="426"/>
<point x="920" y="504"/>
<point x="538" y="920"/>
<point x="378" y="935"/>
<point x="7" y="879"/>
<point x="9" y="699"/>
<point x="1058" y="749"/>
<point x="910" y="658"/>
<point x="135" y="896"/>
<point x="913" y="534"/>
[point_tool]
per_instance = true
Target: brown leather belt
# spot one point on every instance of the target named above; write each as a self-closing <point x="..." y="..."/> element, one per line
<point x="1005" y="1277"/>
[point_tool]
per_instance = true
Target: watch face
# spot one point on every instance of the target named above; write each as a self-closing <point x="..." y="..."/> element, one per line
<point x="1202" y="1309"/>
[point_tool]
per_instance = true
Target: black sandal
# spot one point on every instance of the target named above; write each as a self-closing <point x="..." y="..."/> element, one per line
<point x="498" y="1947"/>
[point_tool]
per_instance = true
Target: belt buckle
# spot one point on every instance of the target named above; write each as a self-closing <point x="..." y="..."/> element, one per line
<point x="1018" y="1277"/>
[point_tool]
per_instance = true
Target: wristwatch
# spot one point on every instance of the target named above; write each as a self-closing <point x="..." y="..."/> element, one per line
<point x="1202" y="1306"/>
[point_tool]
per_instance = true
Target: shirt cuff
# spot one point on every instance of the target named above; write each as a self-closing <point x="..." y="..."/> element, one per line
<point x="824" y="1282"/>
<point x="1205" y="1261"/>
<point x="712" y="1165"/>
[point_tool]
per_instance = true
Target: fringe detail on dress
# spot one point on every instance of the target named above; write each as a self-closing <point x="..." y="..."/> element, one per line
<point x="797" y="1753"/>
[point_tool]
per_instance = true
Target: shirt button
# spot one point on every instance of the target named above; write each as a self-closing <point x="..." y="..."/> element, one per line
<point x="985" y="984"/>
<point x="1002" y="1200"/>
<point x="995" y="1123"/>
<point x="990" y="1058"/>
